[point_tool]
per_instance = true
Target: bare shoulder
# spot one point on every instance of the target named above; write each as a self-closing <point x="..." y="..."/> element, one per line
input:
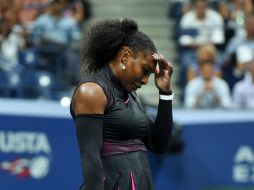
<point x="89" y="98"/>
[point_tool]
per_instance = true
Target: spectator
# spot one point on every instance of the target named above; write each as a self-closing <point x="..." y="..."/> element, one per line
<point x="207" y="90"/>
<point x="243" y="91"/>
<point x="56" y="36"/>
<point x="197" y="27"/>
<point x="29" y="10"/>
<point x="205" y="53"/>
<point x="233" y="70"/>
<point x="207" y="23"/>
<point x="53" y="27"/>
<point x="79" y="10"/>
<point x="11" y="40"/>
<point x="234" y="13"/>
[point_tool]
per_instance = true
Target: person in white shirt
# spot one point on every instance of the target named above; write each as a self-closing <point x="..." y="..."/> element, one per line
<point x="11" y="41"/>
<point x="207" y="22"/>
<point x="199" y="26"/>
<point x="243" y="91"/>
<point x="207" y="90"/>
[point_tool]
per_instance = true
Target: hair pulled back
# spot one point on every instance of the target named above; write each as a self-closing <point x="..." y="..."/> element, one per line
<point x="104" y="39"/>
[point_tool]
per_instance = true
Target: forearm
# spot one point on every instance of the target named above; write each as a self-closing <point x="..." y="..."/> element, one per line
<point x="93" y="171"/>
<point x="160" y="132"/>
<point x="89" y="134"/>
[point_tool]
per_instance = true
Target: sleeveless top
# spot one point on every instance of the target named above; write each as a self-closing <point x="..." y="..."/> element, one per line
<point x="125" y="120"/>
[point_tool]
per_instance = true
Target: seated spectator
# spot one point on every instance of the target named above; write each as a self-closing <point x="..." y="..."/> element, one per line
<point x="11" y="40"/>
<point x="199" y="26"/>
<point x="205" y="53"/>
<point x="232" y="68"/>
<point x="243" y="91"/>
<point x="53" y="27"/>
<point x="207" y="22"/>
<point x="207" y="90"/>
<point x="79" y="10"/>
<point x="56" y="36"/>
<point x="29" y="10"/>
<point x="234" y="13"/>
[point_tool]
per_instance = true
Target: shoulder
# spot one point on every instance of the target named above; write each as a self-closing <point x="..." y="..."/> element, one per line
<point x="189" y="16"/>
<point x="43" y="18"/>
<point x="234" y="43"/>
<point x="221" y="83"/>
<point x="89" y="98"/>
<point x="214" y="14"/>
<point x="240" y="86"/>
<point x="67" y="20"/>
<point x="195" y="82"/>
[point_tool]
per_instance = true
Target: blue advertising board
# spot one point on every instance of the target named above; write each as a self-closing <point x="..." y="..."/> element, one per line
<point x="215" y="157"/>
<point x="218" y="152"/>
<point x="39" y="150"/>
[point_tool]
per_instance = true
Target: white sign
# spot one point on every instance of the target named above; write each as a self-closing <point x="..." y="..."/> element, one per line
<point x="243" y="169"/>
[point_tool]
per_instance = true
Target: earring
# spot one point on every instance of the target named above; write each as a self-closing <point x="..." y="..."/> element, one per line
<point x="122" y="65"/>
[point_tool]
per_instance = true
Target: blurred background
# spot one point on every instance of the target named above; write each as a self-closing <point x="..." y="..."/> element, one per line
<point x="211" y="46"/>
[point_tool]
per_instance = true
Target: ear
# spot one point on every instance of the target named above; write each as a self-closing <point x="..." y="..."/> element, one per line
<point x="126" y="54"/>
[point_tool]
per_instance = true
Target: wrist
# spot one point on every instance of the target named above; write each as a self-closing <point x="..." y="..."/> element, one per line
<point x="167" y="95"/>
<point x="170" y="92"/>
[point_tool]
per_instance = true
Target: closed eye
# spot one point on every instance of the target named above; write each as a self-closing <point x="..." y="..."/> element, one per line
<point x="146" y="71"/>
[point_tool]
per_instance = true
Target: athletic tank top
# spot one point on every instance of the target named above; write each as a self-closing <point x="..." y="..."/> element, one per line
<point x="125" y="118"/>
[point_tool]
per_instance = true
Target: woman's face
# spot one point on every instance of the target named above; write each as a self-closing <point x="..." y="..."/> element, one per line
<point x="138" y="68"/>
<point x="200" y="7"/>
<point x="206" y="70"/>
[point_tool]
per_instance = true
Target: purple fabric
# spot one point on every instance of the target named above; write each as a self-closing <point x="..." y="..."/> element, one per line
<point x="109" y="148"/>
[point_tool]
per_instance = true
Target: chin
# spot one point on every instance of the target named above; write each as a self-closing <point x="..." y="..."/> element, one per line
<point x="130" y="90"/>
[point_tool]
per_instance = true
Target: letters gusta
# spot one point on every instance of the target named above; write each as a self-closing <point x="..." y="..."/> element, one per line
<point x="24" y="142"/>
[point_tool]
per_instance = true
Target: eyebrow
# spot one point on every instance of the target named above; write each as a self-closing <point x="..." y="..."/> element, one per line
<point x="150" y="68"/>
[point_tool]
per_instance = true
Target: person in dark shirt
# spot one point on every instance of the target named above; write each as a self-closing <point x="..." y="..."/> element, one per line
<point x="113" y="129"/>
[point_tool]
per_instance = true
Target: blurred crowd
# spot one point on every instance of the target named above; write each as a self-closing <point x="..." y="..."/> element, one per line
<point x="215" y="45"/>
<point x="39" y="46"/>
<point x="39" y="49"/>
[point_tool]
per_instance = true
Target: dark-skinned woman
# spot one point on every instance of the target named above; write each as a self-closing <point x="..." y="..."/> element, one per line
<point x="113" y="129"/>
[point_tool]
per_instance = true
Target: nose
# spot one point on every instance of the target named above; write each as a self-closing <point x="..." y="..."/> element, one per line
<point x="144" y="80"/>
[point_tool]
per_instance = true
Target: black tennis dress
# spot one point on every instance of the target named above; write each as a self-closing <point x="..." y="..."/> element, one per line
<point x="125" y="127"/>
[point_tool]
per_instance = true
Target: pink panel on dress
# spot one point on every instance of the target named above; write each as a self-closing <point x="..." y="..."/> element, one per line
<point x="132" y="182"/>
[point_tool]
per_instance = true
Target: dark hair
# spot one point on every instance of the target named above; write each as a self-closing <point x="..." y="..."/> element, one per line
<point x="104" y="39"/>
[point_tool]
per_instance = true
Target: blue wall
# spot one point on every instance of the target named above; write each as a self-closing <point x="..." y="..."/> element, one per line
<point x="38" y="149"/>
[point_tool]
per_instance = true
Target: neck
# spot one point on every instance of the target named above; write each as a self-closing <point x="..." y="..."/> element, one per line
<point x="113" y="69"/>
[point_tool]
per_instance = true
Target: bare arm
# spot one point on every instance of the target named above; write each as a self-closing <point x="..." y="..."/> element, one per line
<point x="88" y="104"/>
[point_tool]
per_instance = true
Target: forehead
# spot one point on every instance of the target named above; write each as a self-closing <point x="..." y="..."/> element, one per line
<point x="200" y="4"/>
<point x="146" y="59"/>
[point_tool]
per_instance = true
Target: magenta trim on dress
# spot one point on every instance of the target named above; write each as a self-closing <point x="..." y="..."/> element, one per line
<point x="132" y="182"/>
<point x="109" y="149"/>
<point x="126" y="101"/>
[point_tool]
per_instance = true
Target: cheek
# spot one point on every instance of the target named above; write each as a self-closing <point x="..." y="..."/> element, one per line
<point x="138" y="76"/>
<point x="135" y="73"/>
